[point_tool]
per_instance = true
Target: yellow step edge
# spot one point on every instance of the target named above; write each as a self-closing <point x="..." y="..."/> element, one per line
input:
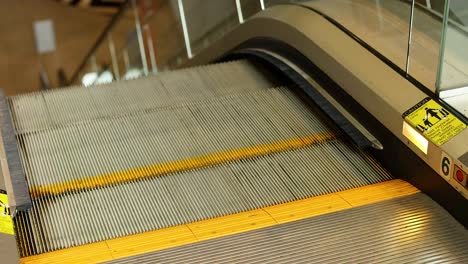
<point x="226" y="225"/>
<point x="231" y="224"/>
<point x="368" y="194"/>
<point x="178" y="165"/>
<point x="310" y="207"/>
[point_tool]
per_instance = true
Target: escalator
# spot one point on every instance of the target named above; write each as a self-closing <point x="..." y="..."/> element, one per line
<point x="192" y="144"/>
<point x="200" y="144"/>
<point x="263" y="155"/>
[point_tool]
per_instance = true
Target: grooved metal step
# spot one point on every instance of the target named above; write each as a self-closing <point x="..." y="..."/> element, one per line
<point x="59" y="107"/>
<point x="411" y="229"/>
<point x="82" y="217"/>
<point x="79" y="150"/>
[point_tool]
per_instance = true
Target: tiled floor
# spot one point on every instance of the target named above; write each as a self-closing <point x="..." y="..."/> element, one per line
<point x="459" y="102"/>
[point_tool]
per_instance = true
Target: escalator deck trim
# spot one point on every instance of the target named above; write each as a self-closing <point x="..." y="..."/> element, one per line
<point x="228" y="225"/>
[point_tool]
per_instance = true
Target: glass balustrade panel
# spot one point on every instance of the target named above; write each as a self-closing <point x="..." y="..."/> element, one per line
<point x="453" y="78"/>
<point x="163" y="36"/>
<point x="208" y="20"/>
<point x="425" y="43"/>
<point x="250" y="8"/>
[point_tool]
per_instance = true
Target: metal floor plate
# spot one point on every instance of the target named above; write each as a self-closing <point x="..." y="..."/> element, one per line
<point x="411" y="229"/>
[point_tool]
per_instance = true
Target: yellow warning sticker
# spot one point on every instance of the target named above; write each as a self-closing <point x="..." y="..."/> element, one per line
<point x="435" y="122"/>
<point x="6" y="223"/>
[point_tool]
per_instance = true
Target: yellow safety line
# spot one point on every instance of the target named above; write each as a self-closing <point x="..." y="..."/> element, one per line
<point x="178" y="165"/>
<point x="222" y="226"/>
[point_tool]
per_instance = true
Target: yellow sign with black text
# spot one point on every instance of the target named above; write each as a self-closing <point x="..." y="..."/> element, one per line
<point x="435" y="122"/>
<point x="6" y="223"/>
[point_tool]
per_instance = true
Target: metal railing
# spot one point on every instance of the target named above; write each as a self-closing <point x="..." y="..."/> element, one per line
<point x="159" y="39"/>
<point x="100" y="41"/>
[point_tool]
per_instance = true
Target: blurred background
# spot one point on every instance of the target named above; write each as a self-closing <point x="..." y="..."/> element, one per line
<point x="47" y="44"/>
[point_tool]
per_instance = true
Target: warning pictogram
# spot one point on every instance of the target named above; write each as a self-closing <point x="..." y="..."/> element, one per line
<point x="435" y="122"/>
<point x="6" y="223"/>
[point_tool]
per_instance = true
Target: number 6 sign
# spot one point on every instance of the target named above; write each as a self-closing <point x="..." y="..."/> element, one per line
<point x="446" y="166"/>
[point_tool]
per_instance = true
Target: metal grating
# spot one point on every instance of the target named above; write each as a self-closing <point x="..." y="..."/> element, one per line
<point x="412" y="229"/>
